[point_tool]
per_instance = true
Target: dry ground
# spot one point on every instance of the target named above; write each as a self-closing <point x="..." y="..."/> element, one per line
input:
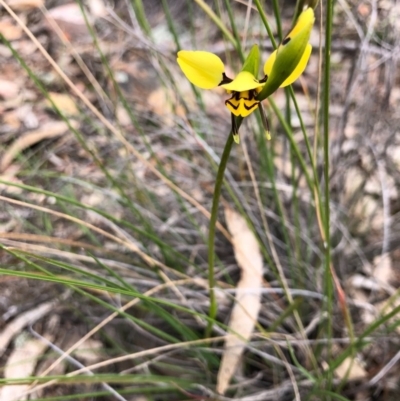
<point x="37" y="149"/>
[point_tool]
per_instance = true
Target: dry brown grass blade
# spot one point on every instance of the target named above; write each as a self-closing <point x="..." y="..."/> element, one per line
<point x="24" y="5"/>
<point x="247" y="299"/>
<point x="23" y="237"/>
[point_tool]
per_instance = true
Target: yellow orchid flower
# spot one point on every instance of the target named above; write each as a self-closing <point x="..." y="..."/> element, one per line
<point x="283" y="67"/>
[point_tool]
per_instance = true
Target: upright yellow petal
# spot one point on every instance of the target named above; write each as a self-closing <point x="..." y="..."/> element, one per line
<point x="304" y="23"/>
<point x="306" y="19"/>
<point x="244" y="81"/>
<point x="300" y="67"/>
<point x="202" y="69"/>
<point x="290" y="59"/>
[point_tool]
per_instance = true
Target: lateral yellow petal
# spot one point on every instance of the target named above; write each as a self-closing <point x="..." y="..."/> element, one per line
<point x="202" y="69"/>
<point x="300" y="67"/>
<point x="270" y="63"/>
<point x="244" y="81"/>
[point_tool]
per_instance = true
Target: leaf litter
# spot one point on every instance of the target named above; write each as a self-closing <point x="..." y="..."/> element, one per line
<point x="247" y="299"/>
<point x="20" y="364"/>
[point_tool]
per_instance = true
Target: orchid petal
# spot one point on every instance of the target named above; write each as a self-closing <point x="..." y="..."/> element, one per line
<point x="201" y="68"/>
<point x="286" y="64"/>
<point x="244" y="81"/>
<point x="242" y="104"/>
<point x="300" y="67"/>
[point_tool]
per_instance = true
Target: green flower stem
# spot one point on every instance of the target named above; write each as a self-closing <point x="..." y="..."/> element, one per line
<point x="331" y="280"/>
<point x="326" y="101"/>
<point x="328" y="277"/>
<point x="211" y="235"/>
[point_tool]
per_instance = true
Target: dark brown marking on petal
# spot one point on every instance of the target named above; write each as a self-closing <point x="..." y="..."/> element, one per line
<point x="225" y="80"/>
<point x="233" y="106"/>
<point x="251" y="106"/>
<point x="286" y="41"/>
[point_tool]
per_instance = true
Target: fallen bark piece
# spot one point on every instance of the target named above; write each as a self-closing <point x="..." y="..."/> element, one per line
<point x="21" y="364"/>
<point x="247" y="300"/>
